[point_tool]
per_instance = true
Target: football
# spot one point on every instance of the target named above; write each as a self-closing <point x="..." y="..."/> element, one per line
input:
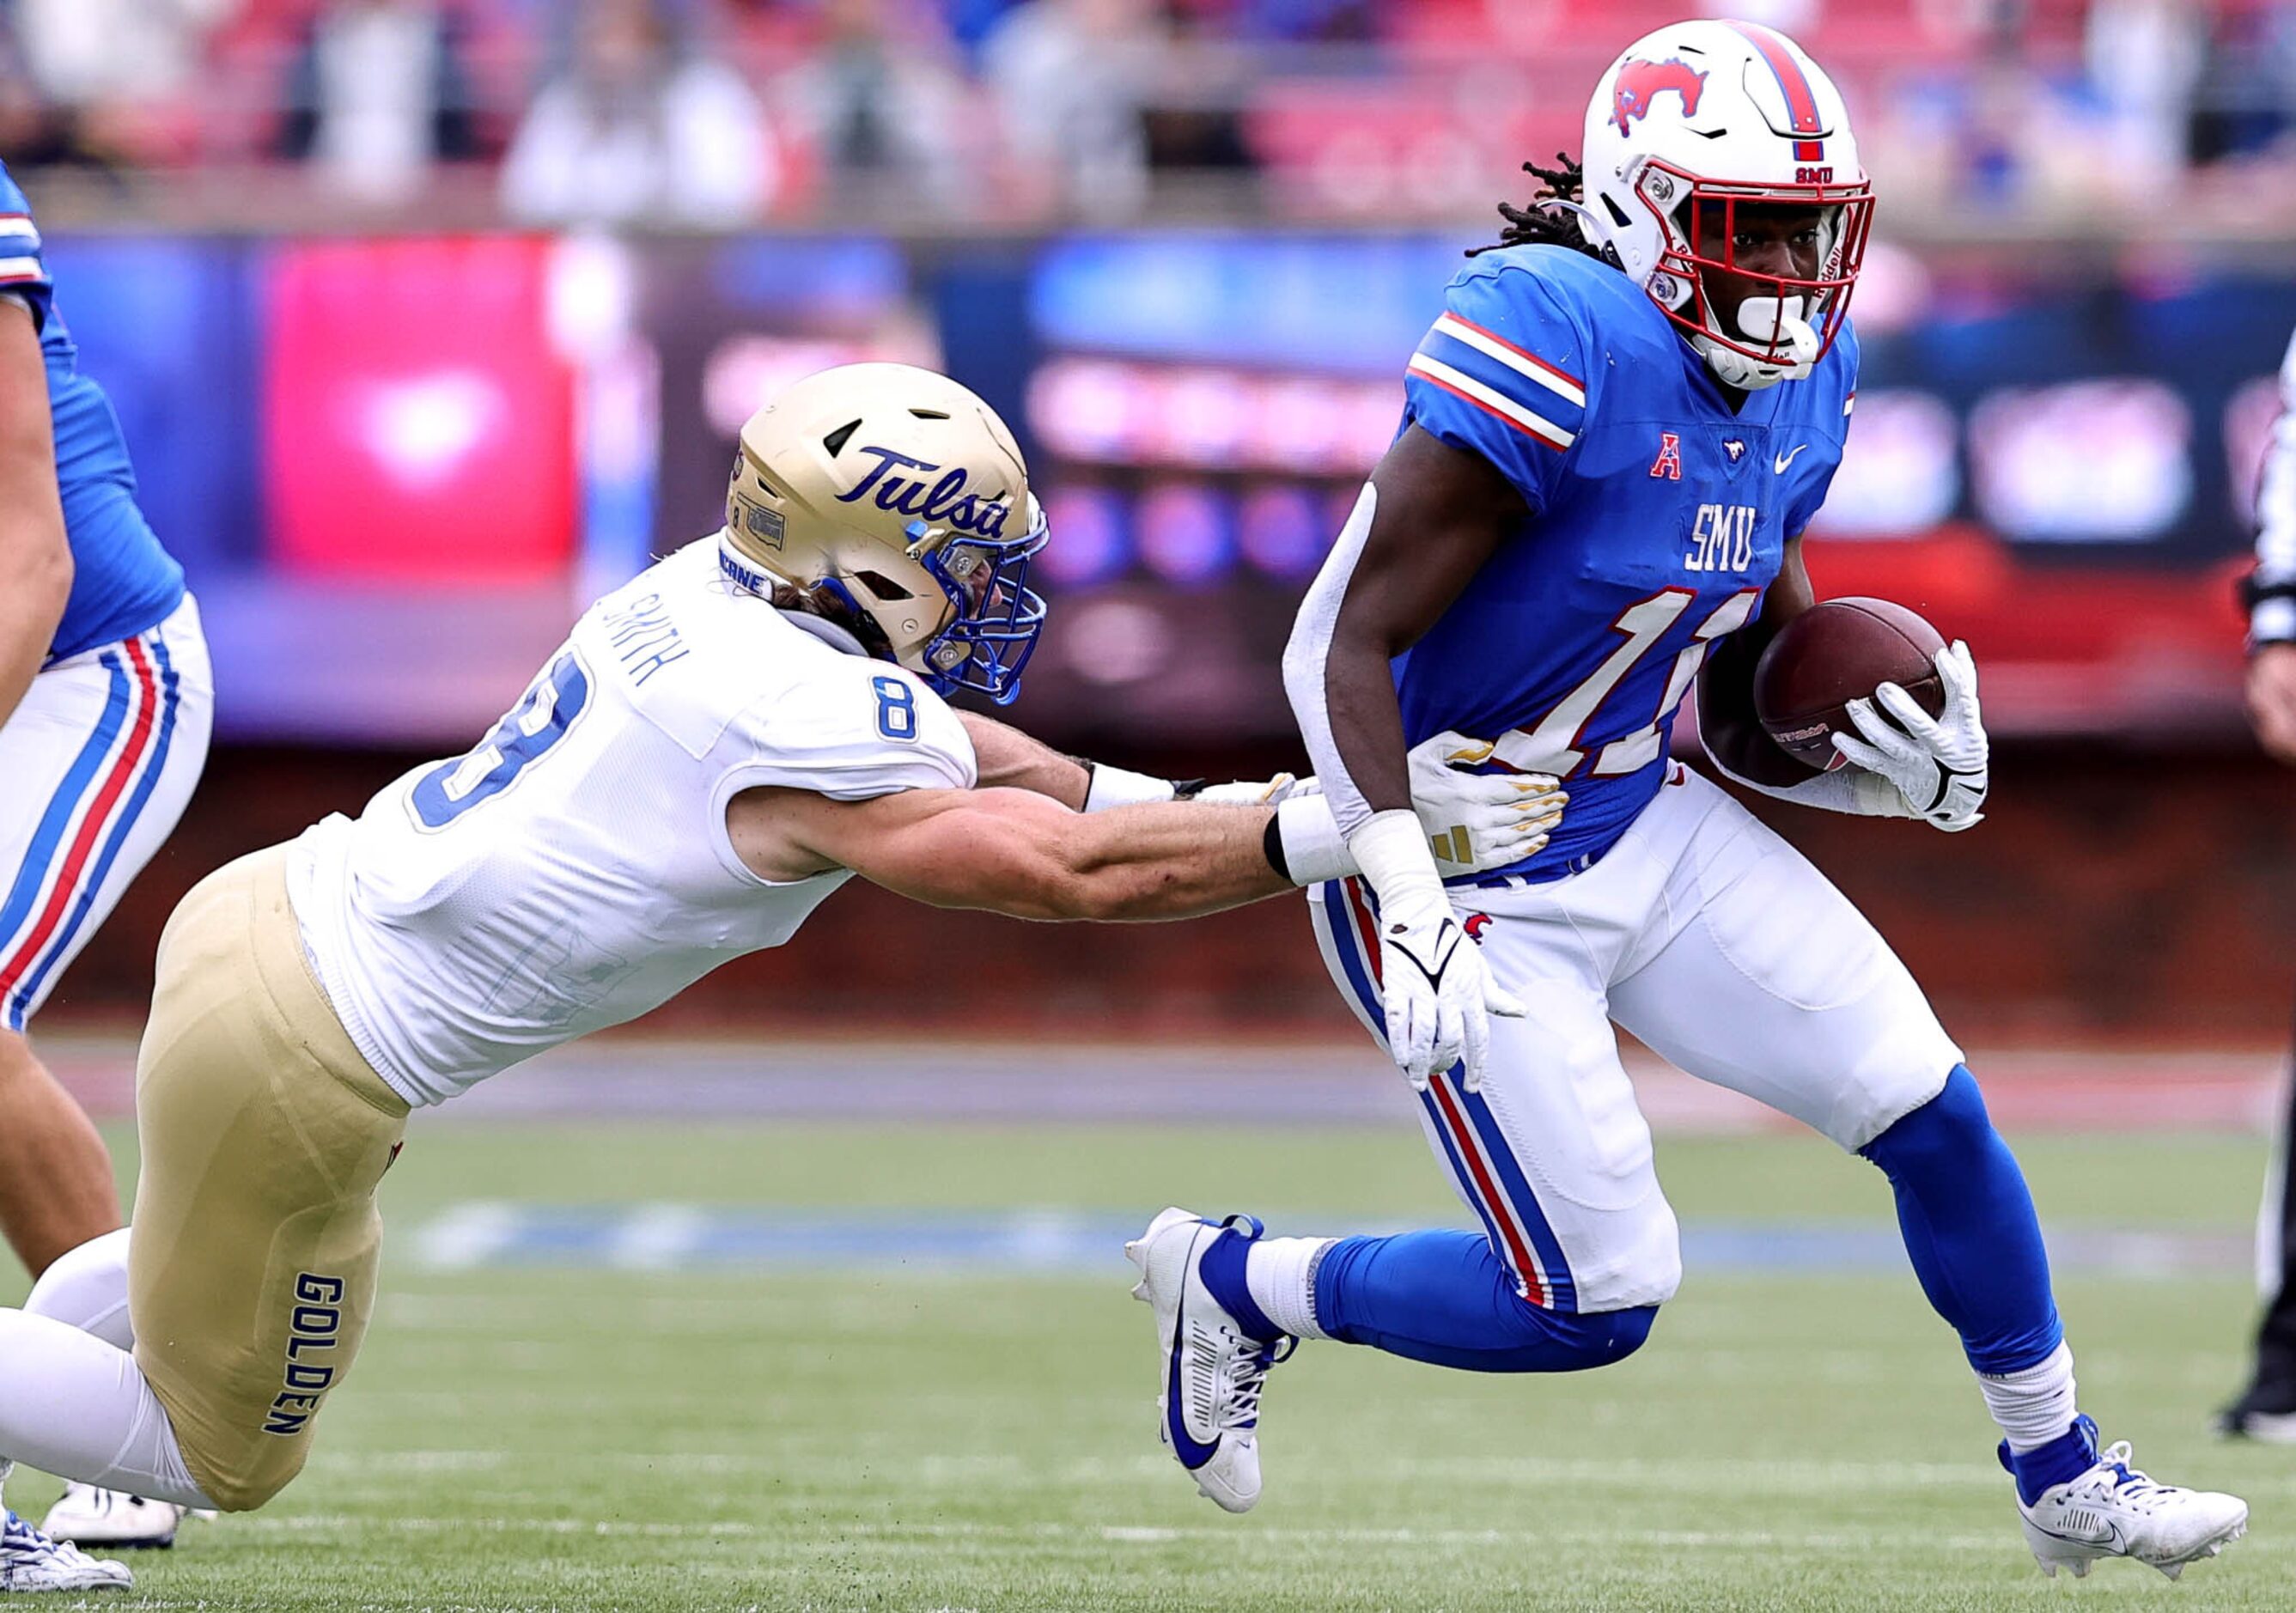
<point x="1840" y="651"/>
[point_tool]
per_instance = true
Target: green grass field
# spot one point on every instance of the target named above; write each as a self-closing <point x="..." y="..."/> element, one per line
<point x="904" y="1438"/>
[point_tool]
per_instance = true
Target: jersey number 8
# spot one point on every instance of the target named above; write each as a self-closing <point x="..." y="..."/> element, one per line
<point x="897" y="708"/>
<point x="539" y="721"/>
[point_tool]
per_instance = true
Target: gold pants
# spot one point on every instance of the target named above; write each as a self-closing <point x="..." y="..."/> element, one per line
<point x="253" y="1264"/>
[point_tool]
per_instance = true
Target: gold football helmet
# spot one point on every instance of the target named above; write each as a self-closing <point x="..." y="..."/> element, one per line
<point x="900" y="493"/>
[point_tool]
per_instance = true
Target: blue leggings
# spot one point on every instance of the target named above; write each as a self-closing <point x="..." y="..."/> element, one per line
<point x="1444" y="1298"/>
<point x="1969" y="1226"/>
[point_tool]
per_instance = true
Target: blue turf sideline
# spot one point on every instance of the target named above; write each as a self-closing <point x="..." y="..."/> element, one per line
<point x="686" y="1237"/>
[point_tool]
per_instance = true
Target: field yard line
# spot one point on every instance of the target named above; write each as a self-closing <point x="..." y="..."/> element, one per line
<point x="657" y="1237"/>
<point x="677" y="1236"/>
<point x="468" y="1235"/>
<point x="2004" y="1540"/>
<point x="1672" y="1475"/>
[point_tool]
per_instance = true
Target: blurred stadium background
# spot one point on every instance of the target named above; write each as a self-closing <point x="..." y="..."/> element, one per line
<point x="428" y="319"/>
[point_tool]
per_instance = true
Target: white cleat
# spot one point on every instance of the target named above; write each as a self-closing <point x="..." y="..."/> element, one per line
<point x="2114" y="1511"/>
<point x="29" y="1561"/>
<point x="88" y="1516"/>
<point x="1211" y="1372"/>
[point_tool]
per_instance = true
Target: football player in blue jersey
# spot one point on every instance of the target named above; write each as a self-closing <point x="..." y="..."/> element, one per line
<point x="1615" y="434"/>
<point x="105" y="702"/>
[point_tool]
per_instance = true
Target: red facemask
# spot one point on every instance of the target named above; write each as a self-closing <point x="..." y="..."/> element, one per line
<point x="1700" y="216"/>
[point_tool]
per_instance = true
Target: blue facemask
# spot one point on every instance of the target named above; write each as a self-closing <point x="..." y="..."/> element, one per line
<point x="997" y="615"/>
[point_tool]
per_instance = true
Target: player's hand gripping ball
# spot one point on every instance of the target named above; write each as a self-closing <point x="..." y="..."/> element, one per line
<point x="1869" y="684"/>
<point x="1835" y="652"/>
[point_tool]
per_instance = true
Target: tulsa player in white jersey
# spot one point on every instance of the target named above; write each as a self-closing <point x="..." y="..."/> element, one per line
<point x="1615" y="435"/>
<point x="716" y="747"/>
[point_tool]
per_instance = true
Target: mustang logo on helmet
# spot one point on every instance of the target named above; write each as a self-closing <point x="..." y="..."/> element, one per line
<point x="1641" y="83"/>
<point x="945" y="502"/>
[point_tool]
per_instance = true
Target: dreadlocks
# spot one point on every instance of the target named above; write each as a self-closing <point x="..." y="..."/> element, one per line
<point x="1545" y="222"/>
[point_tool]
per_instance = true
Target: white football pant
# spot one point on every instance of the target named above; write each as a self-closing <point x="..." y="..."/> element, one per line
<point x="1724" y="950"/>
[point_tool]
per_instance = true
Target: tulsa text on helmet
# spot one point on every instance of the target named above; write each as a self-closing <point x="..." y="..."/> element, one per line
<point x="945" y="502"/>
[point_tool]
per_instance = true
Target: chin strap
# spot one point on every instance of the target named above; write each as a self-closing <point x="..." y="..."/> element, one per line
<point x="1775" y="321"/>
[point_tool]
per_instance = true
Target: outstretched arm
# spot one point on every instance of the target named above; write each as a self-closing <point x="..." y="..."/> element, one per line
<point x="1009" y="759"/>
<point x="1015" y="852"/>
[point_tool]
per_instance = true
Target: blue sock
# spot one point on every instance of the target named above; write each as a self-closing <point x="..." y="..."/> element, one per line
<point x="2067" y="1456"/>
<point x="1969" y="1228"/>
<point x="1222" y="1270"/>
<point x="1444" y="1298"/>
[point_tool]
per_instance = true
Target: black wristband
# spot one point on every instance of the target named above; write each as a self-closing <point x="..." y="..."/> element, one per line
<point x="1271" y="842"/>
<point x="2253" y="593"/>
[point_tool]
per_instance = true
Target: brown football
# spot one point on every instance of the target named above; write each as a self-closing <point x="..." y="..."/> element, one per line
<point x="1837" y="652"/>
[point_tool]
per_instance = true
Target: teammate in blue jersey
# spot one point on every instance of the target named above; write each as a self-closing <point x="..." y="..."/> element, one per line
<point x="105" y="701"/>
<point x="1616" y="432"/>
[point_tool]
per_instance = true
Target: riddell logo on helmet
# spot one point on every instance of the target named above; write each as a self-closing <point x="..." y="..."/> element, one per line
<point x="945" y="502"/>
<point x="1641" y="83"/>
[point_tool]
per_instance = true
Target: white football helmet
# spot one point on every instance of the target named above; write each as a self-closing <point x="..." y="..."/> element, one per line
<point x="901" y="495"/>
<point x="1692" y="122"/>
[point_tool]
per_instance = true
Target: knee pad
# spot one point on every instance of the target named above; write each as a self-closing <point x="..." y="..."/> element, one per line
<point x="1931" y="1135"/>
<point x="246" y="1494"/>
<point x="87" y="1288"/>
<point x="1574" y="1343"/>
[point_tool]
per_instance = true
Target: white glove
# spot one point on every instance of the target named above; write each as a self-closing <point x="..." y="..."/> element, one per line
<point x="1939" y="764"/>
<point x="1478" y="822"/>
<point x="1262" y="792"/>
<point x="1438" y="994"/>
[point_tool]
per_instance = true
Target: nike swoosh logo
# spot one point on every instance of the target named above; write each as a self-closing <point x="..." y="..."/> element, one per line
<point x="2112" y="1537"/>
<point x="1192" y="1453"/>
<point x="1435" y="975"/>
<point x="1947" y="778"/>
<point x="1787" y="458"/>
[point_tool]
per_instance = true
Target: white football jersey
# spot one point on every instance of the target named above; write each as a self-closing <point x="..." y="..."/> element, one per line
<point x="574" y="869"/>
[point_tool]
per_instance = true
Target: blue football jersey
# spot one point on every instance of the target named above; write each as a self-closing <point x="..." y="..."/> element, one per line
<point x="123" y="582"/>
<point x="1657" y="518"/>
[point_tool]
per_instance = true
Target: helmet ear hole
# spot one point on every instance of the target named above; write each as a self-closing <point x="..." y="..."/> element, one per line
<point x="884" y="587"/>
